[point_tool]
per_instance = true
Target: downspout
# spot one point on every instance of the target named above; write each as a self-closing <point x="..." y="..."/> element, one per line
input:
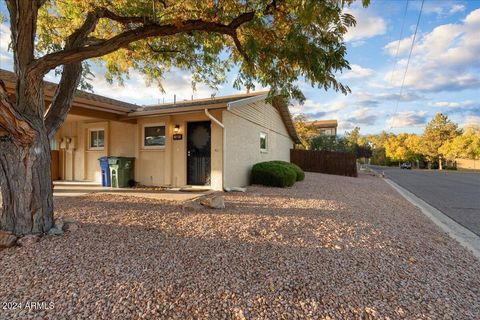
<point x="224" y="144"/>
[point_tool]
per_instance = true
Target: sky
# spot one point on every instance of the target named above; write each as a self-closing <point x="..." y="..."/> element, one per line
<point x="442" y="76"/>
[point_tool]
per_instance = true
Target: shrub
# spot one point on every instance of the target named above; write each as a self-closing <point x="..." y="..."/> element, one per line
<point x="273" y="174"/>
<point x="298" y="171"/>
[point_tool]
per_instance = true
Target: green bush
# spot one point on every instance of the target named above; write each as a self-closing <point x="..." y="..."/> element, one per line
<point x="273" y="174"/>
<point x="276" y="174"/>
<point x="298" y="171"/>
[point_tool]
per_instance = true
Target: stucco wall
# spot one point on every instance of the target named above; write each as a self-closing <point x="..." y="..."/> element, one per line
<point x="78" y="162"/>
<point x="243" y="127"/>
<point x="154" y="167"/>
<point x="150" y="163"/>
<point x="168" y="166"/>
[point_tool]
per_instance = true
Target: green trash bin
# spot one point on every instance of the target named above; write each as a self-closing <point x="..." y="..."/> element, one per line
<point x="121" y="171"/>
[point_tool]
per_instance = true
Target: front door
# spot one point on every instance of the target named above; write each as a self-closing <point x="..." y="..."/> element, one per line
<point x="198" y="153"/>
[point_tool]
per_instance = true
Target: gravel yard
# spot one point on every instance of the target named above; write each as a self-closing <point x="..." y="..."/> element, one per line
<point x="328" y="248"/>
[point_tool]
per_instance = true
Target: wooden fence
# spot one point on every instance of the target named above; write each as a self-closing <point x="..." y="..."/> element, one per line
<point x="339" y="163"/>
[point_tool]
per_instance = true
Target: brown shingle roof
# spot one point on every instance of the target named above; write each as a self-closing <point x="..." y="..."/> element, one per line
<point x="322" y="123"/>
<point x="102" y="102"/>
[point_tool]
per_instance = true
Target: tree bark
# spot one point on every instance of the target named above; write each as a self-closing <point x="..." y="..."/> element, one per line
<point x="440" y="163"/>
<point x="26" y="186"/>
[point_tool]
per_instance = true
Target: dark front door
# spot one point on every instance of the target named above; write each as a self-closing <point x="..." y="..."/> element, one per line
<point x="198" y="153"/>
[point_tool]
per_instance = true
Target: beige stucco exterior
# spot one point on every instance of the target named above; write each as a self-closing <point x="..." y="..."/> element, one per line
<point x="167" y="165"/>
<point x="243" y="126"/>
<point x="236" y="124"/>
<point x="160" y="166"/>
<point x="77" y="160"/>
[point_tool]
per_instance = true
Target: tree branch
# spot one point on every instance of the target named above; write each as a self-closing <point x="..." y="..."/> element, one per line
<point x="241" y="19"/>
<point x="93" y="40"/>
<point x="62" y="100"/>
<point x="72" y="72"/>
<point x="77" y="54"/>
<point x="239" y="47"/>
<point x="11" y="121"/>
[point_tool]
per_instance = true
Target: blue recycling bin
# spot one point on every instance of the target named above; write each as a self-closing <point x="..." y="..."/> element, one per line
<point x="105" y="167"/>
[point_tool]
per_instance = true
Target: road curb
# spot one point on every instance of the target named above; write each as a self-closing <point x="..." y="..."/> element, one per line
<point x="465" y="237"/>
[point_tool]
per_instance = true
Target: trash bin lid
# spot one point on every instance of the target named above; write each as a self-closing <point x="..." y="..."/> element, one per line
<point x="113" y="160"/>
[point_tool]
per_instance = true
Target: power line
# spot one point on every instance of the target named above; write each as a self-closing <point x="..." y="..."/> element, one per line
<point x="406" y="67"/>
<point x="399" y="40"/>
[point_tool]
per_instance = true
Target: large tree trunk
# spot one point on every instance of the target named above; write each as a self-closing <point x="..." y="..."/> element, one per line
<point x="440" y="167"/>
<point x="26" y="186"/>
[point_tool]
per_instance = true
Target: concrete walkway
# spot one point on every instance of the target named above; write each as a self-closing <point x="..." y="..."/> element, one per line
<point x="76" y="189"/>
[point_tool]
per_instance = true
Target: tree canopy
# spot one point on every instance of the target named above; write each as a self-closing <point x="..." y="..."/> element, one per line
<point x="271" y="43"/>
<point x="437" y="132"/>
<point x="441" y="139"/>
<point x="465" y="146"/>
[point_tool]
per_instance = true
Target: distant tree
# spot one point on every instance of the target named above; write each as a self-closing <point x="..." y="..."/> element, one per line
<point x="353" y="137"/>
<point x="305" y="132"/>
<point x="465" y="146"/>
<point x="378" y="140"/>
<point x="438" y="131"/>
<point x="390" y="148"/>
<point x="329" y="143"/>
<point x="379" y="157"/>
<point x="363" y="151"/>
<point x="395" y="149"/>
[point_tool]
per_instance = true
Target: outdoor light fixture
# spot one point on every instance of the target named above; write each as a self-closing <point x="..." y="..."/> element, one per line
<point x="177" y="128"/>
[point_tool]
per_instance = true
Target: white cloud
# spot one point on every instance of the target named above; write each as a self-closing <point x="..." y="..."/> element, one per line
<point x="135" y="89"/>
<point x="344" y="125"/>
<point x="363" y="116"/>
<point x="357" y="44"/>
<point x="4" y="37"/>
<point x="368" y="25"/>
<point x="407" y="119"/>
<point x="457" y="8"/>
<point x="448" y="104"/>
<point x="392" y="47"/>
<point x="443" y="8"/>
<point x="472" y="120"/>
<point x="356" y="72"/>
<point x="364" y="96"/>
<point x="444" y="59"/>
<point x="312" y="107"/>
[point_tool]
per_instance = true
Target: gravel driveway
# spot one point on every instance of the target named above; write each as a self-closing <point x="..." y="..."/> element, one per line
<point x="329" y="248"/>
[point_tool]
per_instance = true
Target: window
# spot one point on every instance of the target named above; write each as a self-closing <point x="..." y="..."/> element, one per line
<point x="154" y="136"/>
<point x="263" y="142"/>
<point x="97" y="139"/>
<point x="326" y="132"/>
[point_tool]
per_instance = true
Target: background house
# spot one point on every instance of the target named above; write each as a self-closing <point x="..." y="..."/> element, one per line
<point x="212" y="142"/>
<point x="324" y="127"/>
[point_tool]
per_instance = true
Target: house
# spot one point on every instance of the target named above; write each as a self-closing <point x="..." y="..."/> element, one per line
<point x="324" y="127"/>
<point x="209" y="142"/>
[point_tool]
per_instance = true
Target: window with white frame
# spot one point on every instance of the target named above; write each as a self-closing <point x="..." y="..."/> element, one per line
<point x="263" y="142"/>
<point x="154" y="136"/>
<point x="97" y="139"/>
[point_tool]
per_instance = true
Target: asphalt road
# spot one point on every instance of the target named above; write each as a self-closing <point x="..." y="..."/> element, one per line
<point x="456" y="194"/>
